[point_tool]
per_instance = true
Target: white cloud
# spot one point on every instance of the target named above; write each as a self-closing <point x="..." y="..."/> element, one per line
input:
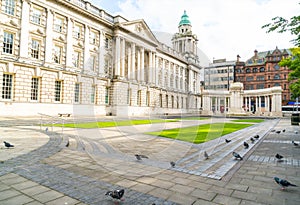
<point x="224" y="28"/>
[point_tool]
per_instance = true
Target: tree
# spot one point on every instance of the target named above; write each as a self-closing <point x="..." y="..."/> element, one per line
<point x="282" y="25"/>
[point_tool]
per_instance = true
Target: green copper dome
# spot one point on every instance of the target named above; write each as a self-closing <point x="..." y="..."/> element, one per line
<point x="184" y="19"/>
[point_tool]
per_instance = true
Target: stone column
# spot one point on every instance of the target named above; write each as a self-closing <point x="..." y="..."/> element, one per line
<point x="69" y="50"/>
<point x="49" y="36"/>
<point x="24" y="36"/>
<point x="132" y="71"/>
<point x="150" y="70"/>
<point x="156" y="69"/>
<point x="129" y="72"/>
<point x="123" y="57"/>
<point x="138" y="65"/>
<point x="101" y="55"/>
<point x="163" y="73"/>
<point x="259" y="103"/>
<point x="86" y="54"/>
<point x="117" y="56"/>
<point x="142" y="70"/>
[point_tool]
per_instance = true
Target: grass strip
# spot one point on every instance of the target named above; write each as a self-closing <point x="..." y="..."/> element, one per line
<point x="201" y="133"/>
<point x="103" y="124"/>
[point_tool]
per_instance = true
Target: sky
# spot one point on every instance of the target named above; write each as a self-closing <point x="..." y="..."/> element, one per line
<point x="225" y="28"/>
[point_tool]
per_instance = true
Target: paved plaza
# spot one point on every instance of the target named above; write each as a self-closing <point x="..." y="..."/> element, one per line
<point x="78" y="166"/>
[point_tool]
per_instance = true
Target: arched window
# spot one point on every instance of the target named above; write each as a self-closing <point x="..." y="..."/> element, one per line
<point x="254" y="70"/>
<point x="276" y="67"/>
<point x="262" y="69"/>
<point x="248" y="70"/>
<point x="276" y="77"/>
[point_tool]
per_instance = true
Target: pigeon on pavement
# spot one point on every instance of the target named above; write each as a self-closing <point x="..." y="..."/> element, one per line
<point x="295" y="143"/>
<point x="172" y="164"/>
<point x="252" y="140"/>
<point x="278" y="156"/>
<point x="246" y="145"/>
<point x="116" y="194"/>
<point x="256" y="136"/>
<point x="227" y="141"/>
<point x="278" y="132"/>
<point x="7" y="144"/>
<point x="140" y="156"/>
<point x="237" y="156"/>
<point x="283" y="130"/>
<point x="283" y="183"/>
<point x="205" y="155"/>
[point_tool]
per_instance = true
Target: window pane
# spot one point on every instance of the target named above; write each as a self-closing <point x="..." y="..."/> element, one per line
<point x="57" y="91"/>
<point x="34" y="88"/>
<point x="35" y="49"/>
<point x="7" y="86"/>
<point x="77" y="92"/>
<point x="9" y="7"/>
<point x="36" y="16"/>
<point x="8" y="43"/>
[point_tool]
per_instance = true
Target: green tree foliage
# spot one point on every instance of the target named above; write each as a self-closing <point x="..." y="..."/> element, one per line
<point x="293" y="63"/>
<point x="282" y="25"/>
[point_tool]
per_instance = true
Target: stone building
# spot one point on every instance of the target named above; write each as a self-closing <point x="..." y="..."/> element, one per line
<point x="263" y="71"/>
<point x="219" y="75"/>
<point x="69" y="56"/>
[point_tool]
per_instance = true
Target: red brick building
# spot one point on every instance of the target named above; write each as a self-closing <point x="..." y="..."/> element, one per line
<point x="263" y="71"/>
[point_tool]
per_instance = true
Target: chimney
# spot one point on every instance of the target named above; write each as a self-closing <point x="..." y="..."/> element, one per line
<point x="255" y="53"/>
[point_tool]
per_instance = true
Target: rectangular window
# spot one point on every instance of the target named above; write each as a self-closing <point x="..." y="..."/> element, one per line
<point x="8" y="42"/>
<point x="148" y="98"/>
<point x="34" y="88"/>
<point x="106" y="96"/>
<point x="160" y="100"/>
<point x="249" y="78"/>
<point x="35" y="49"/>
<point x="77" y="31"/>
<point x="7" y="86"/>
<point x="9" y="7"/>
<point x="57" y="54"/>
<point x="139" y="98"/>
<point x="93" y="94"/>
<point x="167" y="101"/>
<point x="76" y="59"/>
<point x="58" y="24"/>
<point x="57" y="91"/>
<point x="93" y="62"/>
<point x="77" y="92"/>
<point x="129" y="97"/>
<point x="36" y="16"/>
<point x="93" y="38"/>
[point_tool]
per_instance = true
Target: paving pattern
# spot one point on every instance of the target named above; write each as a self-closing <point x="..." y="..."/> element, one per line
<point x="95" y="162"/>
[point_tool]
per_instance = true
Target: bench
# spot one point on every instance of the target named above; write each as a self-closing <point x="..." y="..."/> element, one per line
<point x="64" y="114"/>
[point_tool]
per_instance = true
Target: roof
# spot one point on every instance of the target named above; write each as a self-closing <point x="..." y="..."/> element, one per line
<point x="184" y="19"/>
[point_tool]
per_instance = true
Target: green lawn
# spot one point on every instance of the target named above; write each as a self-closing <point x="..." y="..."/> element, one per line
<point x="249" y="120"/>
<point x="112" y="123"/>
<point x="201" y="133"/>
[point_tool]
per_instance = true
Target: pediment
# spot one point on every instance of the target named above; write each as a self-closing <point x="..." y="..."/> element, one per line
<point x="141" y="29"/>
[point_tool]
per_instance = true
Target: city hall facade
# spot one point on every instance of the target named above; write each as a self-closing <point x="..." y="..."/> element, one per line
<point x="69" y="56"/>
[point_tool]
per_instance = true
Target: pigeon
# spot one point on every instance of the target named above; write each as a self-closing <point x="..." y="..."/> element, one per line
<point x="7" y="144"/>
<point x="296" y="132"/>
<point x="283" y="130"/>
<point x="256" y="136"/>
<point x="46" y="129"/>
<point x="205" y="155"/>
<point x="278" y="156"/>
<point x="246" y="145"/>
<point x="295" y="143"/>
<point x="273" y="130"/>
<point x="237" y="156"/>
<point x="68" y="143"/>
<point x="227" y="141"/>
<point x="283" y="183"/>
<point x="278" y="132"/>
<point x="172" y="164"/>
<point x="252" y="140"/>
<point x="116" y="194"/>
<point x="139" y="156"/>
